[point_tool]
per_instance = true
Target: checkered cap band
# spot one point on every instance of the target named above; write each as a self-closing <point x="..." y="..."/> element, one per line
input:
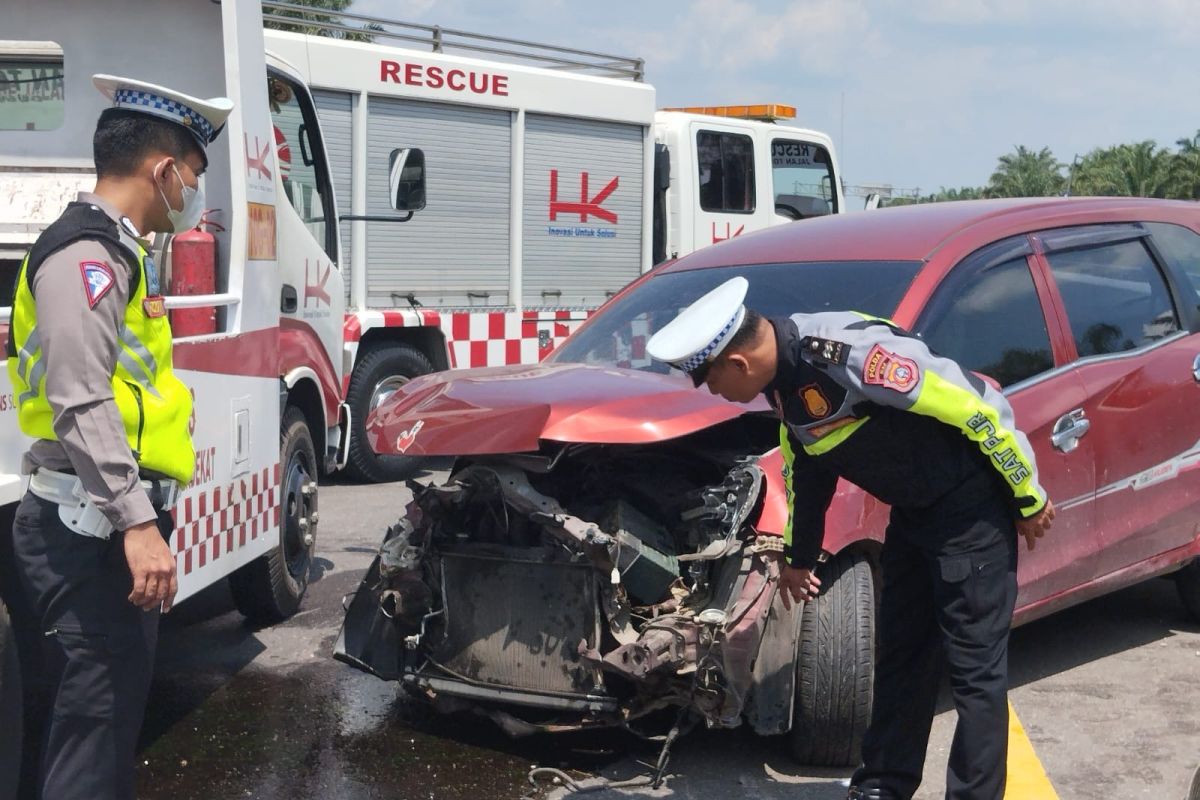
<point x="165" y="107"/>
<point x="700" y="356"/>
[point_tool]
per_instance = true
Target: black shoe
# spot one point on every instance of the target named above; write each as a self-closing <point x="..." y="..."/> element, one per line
<point x="871" y="793"/>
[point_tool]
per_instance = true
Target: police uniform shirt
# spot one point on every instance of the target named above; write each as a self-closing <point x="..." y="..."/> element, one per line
<point x="861" y="400"/>
<point x="79" y="315"/>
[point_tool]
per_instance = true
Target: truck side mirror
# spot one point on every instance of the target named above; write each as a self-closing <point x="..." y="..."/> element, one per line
<point x="406" y="179"/>
<point x="662" y="168"/>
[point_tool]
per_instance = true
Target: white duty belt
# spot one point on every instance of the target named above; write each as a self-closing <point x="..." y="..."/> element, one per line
<point x="76" y="509"/>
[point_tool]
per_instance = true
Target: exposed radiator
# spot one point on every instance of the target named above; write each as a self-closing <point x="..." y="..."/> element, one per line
<point x="517" y="623"/>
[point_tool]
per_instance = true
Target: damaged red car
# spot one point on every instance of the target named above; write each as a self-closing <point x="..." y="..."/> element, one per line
<point x="607" y="543"/>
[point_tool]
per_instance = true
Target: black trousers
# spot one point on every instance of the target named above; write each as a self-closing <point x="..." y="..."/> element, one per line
<point x="949" y="588"/>
<point x="97" y="654"/>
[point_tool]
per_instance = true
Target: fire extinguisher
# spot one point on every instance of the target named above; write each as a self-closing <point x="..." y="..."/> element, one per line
<point x="194" y="271"/>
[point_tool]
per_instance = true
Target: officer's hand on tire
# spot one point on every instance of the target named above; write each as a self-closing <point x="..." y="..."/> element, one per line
<point x="152" y="567"/>
<point x="797" y="585"/>
<point x="1036" y="526"/>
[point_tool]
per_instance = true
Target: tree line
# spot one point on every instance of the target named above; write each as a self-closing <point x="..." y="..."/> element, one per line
<point x="1140" y="169"/>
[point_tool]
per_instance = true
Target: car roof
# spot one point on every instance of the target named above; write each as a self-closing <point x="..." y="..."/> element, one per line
<point x="915" y="232"/>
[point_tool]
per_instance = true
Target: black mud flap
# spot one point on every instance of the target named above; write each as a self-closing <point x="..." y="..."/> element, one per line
<point x="370" y="640"/>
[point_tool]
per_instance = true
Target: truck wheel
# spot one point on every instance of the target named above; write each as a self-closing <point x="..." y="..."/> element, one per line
<point x="836" y="665"/>
<point x="10" y="709"/>
<point x="1187" y="581"/>
<point x="377" y="375"/>
<point x="269" y="589"/>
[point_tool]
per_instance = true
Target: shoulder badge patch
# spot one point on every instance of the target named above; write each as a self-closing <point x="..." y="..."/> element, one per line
<point x="815" y="402"/>
<point x="98" y="280"/>
<point x="885" y="368"/>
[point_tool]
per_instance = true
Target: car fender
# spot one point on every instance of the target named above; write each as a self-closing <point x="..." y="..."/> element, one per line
<point x="853" y="515"/>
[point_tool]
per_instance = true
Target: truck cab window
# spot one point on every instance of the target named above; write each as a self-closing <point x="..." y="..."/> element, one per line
<point x="31" y="86"/>
<point x="726" y="172"/>
<point x="802" y="173"/>
<point x="301" y="160"/>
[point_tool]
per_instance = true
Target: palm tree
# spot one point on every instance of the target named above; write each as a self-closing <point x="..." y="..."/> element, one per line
<point x="1024" y="173"/>
<point x="1127" y="170"/>
<point x="1185" y="169"/>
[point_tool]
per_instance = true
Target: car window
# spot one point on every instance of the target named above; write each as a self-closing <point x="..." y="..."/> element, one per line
<point x="617" y="334"/>
<point x="1180" y="247"/>
<point x="989" y="319"/>
<point x="1115" y="297"/>
<point x="726" y="172"/>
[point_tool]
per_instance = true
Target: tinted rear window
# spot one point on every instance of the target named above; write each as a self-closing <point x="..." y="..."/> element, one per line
<point x="618" y="333"/>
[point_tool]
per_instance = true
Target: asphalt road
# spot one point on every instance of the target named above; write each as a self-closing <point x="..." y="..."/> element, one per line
<point x="1108" y="693"/>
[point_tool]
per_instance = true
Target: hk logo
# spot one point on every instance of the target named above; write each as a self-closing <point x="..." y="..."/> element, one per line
<point x="256" y="160"/>
<point x="729" y="232"/>
<point x="316" y="290"/>
<point x="586" y="206"/>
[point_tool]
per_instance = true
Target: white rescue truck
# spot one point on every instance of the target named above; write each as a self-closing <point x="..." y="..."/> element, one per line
<point x="553" y="183"/>
<point x="266" y="369"/>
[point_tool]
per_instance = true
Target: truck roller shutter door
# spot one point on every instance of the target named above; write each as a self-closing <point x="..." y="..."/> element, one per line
<point x="333" y="108"/>
<point x="572" y="261"/>
<point x="454" y="253"/>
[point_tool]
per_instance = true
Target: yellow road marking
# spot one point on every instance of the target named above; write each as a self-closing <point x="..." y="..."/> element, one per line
<point x="1027" y="778"/>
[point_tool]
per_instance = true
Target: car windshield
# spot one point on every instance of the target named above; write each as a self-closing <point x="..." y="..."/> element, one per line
<point x="617" y="335"/>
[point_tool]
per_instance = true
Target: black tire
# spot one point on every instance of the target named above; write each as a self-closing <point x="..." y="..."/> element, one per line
<point x="1187" y="581"/>
<point x="379" y="372"/>
<point x="10" y="709"/>
<point x="836" y="665"/>
<point x="269" y="589"/>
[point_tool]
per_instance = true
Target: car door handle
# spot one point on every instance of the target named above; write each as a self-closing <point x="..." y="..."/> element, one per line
<point x="1068" y="429"/>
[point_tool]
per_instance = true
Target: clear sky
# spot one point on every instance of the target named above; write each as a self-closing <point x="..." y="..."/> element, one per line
<point x="916" y="93"/>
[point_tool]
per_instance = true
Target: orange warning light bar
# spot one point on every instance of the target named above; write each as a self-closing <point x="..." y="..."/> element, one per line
<point x="762" y="111"/>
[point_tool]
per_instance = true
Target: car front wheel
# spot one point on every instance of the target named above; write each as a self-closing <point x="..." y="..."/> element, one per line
<point x="835" y="666"/>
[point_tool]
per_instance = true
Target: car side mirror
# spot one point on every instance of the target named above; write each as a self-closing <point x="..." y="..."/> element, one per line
<point x="406" y="179"/>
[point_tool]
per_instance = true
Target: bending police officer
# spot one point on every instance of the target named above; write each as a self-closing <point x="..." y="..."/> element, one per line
<point x="89" y="356"/>
<point x="860" y="399"/>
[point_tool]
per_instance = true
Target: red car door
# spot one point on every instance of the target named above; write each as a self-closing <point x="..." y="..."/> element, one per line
<point x="989" y="314"/>
<point x="1137" y="366"/>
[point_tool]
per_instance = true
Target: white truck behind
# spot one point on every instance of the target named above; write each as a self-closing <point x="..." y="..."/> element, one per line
<point x="554" y="181"/>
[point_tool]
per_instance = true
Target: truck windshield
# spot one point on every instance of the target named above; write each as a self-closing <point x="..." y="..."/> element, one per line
<point x="31" y="86"/>
<point x="617" y="334"/>
<point x="803" y="176"/>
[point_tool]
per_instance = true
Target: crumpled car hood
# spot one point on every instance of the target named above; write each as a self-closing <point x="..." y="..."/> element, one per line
<point x="510" y="409"/>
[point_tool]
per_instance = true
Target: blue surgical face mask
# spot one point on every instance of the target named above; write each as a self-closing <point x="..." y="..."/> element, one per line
<point x="187" y="217"/>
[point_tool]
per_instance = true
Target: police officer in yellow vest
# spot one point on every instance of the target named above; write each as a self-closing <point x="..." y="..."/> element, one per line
<point x="89" y="356"/>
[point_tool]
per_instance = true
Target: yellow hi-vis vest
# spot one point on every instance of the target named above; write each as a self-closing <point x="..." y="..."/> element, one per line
<point x="155" y="405"/>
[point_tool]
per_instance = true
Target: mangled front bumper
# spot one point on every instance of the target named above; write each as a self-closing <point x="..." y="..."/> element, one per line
<point x="489" y="594"/>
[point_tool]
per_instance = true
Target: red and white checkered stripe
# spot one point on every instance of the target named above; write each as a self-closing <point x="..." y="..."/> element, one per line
<point x="218" y="521"/>
<point x="476" y="338"/>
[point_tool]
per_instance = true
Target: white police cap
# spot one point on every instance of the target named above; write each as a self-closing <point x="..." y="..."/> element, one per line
<point x="693" y="339"/>
<point x="204" y="119"/>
